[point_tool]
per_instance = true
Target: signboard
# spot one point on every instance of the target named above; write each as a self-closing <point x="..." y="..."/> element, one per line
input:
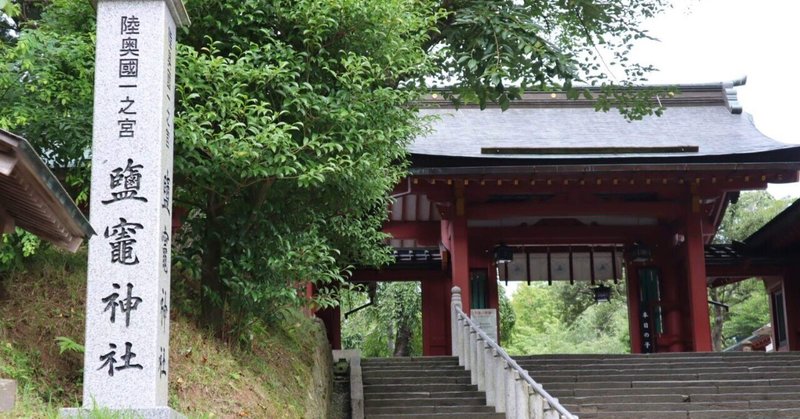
<point x="647" y="329"/>
<point x="486" y="319"/>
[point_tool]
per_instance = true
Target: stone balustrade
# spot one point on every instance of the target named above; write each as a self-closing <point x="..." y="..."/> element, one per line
<point x="508" y="387"/>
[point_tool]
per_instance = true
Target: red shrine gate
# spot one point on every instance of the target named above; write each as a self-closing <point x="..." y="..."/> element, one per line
<point x="555" y="180"/>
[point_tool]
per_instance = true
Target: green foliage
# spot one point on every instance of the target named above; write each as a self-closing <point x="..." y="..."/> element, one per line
<point x="748" y="312"/>
<point x="66" y="344"/>
<point x="375" y="330"/>
<point x="508" y="318"/>
<point x="46" y="88"/>
<point x="555" y="319"/>
<point x="16" y="247"/>
<point x="493" y="51"/>
<point x="747" y="300"/>
<point x="292" y="119"/>
<point x="748" y="214"/>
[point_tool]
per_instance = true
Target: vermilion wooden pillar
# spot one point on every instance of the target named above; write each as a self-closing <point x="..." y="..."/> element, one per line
<point x="673" y="300"/>
<point x="697" y="289"/>
<point x="435" y="317"/>
<point x="632" y="273"/>
<point x="459" y="257"/>
<point x="791" y="297"/>
<point x="333" y="325"/>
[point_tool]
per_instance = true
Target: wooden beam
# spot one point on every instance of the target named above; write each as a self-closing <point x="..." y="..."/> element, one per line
<point x="744" y="270"/>
<point x="566" y="235"/>
<point x="396" y="275"/>
<point x="666" y="210"/>
<point x="6" y="222"/>
<point x="422" y="231"/>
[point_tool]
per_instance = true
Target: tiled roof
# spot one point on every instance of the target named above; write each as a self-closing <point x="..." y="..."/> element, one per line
<point x="701" y="116"/>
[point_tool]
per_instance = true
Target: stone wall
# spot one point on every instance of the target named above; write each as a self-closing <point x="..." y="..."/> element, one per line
<point x="320" y="389"/>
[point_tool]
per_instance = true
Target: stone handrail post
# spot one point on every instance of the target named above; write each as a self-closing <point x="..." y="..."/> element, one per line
<point x="508" y="387"/>
<point x="455" y="337"/>
<point x="488" y="372"/>
<point x="500" y="383"/>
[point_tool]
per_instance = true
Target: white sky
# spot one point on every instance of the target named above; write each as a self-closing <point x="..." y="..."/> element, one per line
<point x="705" y="41"/>
<point x="722" y="40"/>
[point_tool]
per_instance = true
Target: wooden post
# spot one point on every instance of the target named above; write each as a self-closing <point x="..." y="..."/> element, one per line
<point x="696" y="282"/>
<point x="459" y="254"/>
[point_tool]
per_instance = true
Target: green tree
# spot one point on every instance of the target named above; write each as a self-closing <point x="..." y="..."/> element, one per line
<point x="563" y="318"/>
<point x="747" y="300"/>
<point x="292" y="116"/>
<point x="390" y="327"/>
<point x="508" y="317"/>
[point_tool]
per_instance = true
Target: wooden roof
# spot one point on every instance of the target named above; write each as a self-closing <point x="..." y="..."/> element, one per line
<point x="32" y="198"/>
<point x="703" y="125"/>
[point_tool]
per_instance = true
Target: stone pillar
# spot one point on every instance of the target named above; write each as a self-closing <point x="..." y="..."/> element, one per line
<point x="535" y="405"/>
<point x="473" y="357"/>
<point x="488" y="373"/>
<point x="521" y="396"/>
<point x="126" y="362"/>
<point x="499" y="382"/>
<point x="465" y="343"/>
<point x="480" y="367"/>
<point x="511" y="394"/>
<point x="455" y="303"/>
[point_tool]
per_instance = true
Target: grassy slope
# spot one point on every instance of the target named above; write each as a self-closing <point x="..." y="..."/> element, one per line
<point x="207" y="378"/>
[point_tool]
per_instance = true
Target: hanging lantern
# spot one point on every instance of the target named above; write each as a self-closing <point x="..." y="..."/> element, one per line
<point x="638" y="252"/>
<point x="602" y="293"/>
<point x="503" y="254"/>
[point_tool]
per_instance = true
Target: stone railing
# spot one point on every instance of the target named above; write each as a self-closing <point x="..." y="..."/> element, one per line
<point x="508" y="387"/>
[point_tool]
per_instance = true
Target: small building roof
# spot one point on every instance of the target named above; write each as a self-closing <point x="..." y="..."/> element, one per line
<point x="779" y="235"/>
<point x="702" y="124"/>
<point x="33" y="199"/>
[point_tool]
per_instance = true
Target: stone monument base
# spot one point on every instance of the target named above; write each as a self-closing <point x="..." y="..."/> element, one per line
<point x="142" y="413"/>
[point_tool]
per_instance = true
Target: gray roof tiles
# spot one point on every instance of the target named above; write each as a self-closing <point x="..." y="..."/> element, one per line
<point x="713" y="128"/>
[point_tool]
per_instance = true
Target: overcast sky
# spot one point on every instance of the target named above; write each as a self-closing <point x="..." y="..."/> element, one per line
<point x="722" y="40"/>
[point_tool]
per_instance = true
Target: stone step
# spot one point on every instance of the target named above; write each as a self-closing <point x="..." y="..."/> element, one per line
<point x="565" y="378"/>
<point x="665" y="355"/>
<point x="440" y="400"/>
<point x="698" y="414"/>
<point x="440" y="416"/>
<point x="676" y="398"/>
<point x="655" y="366"/>
<point x="415" y="373"/>
<point x="426" y="394"/>
<point x="414" y="388"/>
<point x="407" y="360"/>
<point x="416" y="380"/>
<point x="405" y="410"/>
<point x="595" y="369"/>
<point x="753" y="397"/>
<point x="414" y="367"/>
<point x="667" y="407"/>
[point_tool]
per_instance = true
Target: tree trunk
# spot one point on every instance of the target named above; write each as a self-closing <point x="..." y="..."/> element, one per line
<point x="212" y="294"/>
<point x="719" y="321"/>
<point x="402" y="341"/>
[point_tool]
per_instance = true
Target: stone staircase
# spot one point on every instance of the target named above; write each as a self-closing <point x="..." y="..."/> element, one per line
<point x="421" y="388"/>
<point x="676" y="385"/>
